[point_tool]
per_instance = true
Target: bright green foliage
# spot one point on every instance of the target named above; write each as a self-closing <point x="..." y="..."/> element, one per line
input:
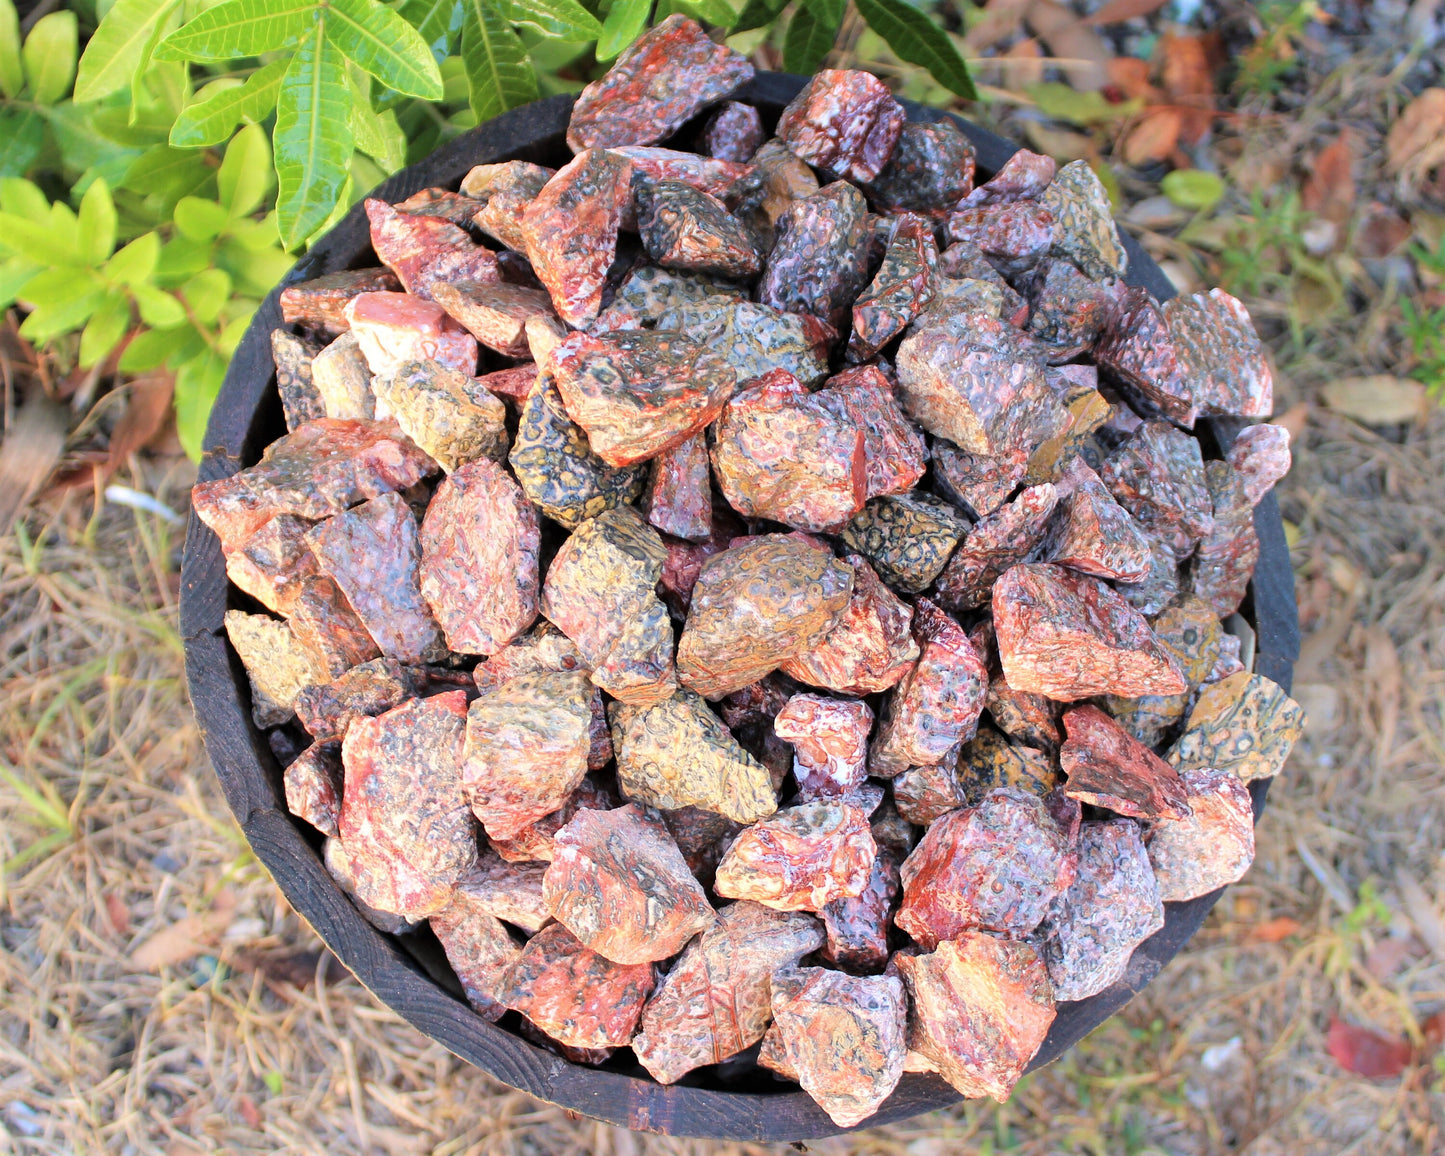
<point x="1193" y="189"/>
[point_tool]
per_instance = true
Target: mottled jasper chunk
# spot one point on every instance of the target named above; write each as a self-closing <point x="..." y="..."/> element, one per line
<point x="800" y="859"/>
<point x="446" y="412"/>
<point x="1260" y="457"/>
<point x="901" y="290"/>
<point x="776" y="178"/>
<point x="679" y="754"/>
<point x="1212" y="846"/>
<point x="324" y="622"/>
<point x="619" y="883"/>
<point x="495" y="314"/>
<point x="1088" y="411"/>
<point x="406" y="825"/>
<point x="685" y="228"/>
<point x="930" y="171"/>
<point x="978" y="483"/>
<point x="990" y="761"/>
<point x="1137" y="351"/>
<point x="870" y="649"/>
<point x="423" y="251"/>
<point x="501" y="217"/>
<point x="843" y="1035"/>
<point x="977" y="382"/>
<point x="1069" y="636"/>
<point x="830" y="743"/>
<point x="998" y="541"/>
<point x="274" y="562"/>
<point x="783" y="454"/>
<point x="1111" y="907"/>
<point x="665" y="78"/>
<point x="893" y="448"/>
<point x="980" y="1008"/>
<point x="537" y="842"/>
<point x="299" y="399"/>
<point x="392" y="329"/>
<point x="327" y="709"/>
<point x="756" y="339"/>
<point x="819" y="258"/>
<point x="997" y="866"/>
<point x="1223" y="565"/>
<point x="716" y="999"/>
<point x="1220" y="354"/>
<point x="576" y="996"/>
<point x="648" y="292"/>
<point x="1191" y="634"/>
<point x="373" y="553"/>
<point x="714" y="177"/>
<point x="1032" y="719"/>
<point x="337" y="862"/>
<point x="923" y="794"/>
<point x="342" y="379"/>
<point x="312" y="782"/>
<point x="678" y="500"/>
<point x="845" y="121"/>
<point x="1022" y="178"/>
<point x="277" y="663"/>
<point x="1084" y="229"/>
<point x="483" y="182"/>
<point x="599" y="591"/>
<point x="458" y="208"/>
<point x="1069" y="310"/>
<point x="936" y="705"/>
<point x="1110" y="768"/>
<point x="685" y="559"/>
<point x="1015" y="236"/>
<point x="757" y="605"/>
<point x="964" y="261"/>
<point x="320" y="304"/>
<point x="1243" y="724"/>
<point x="480" y="949"/>
<point x="857" y="926"/>
<point x="1158" y="476"/>
<point x="1093" y="533"/>
<point x="908" y="537"/>
<point x="514" y="384"/>
<point x="734" y="132"/>
<point x="556" y="467"/>
<point x="570" y="230"/>
<point x="638" y="394"/>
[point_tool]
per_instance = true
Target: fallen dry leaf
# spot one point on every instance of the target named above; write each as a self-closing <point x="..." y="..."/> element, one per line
<point x="1117" y="11"/>
<point x="1329" y="190"/>
<point x="1422" y="912"/>
<point x="1154" y="136"/>
<point x="1189" y="80"/>
<point x="118" y="913"/>
<point x="1416" y="142"/>
<point x="249" y="1112"/>
<point x="1001" y="18"/>
<point x="1078" y="49"/>
<point x="1380" y="399"/>
<point x="32" y="447"/>
<point x="1366" y="1053"/>
<point x="185" y="937"/>
<point x="1382" y="233"/>
<point x="1294" y="420"/>
<point x="1386" y="957"/>
<point x="1274" y="930"/>
<point x="1382" y="671"/>
<point x="1130" y="76"/>
<point x="1027" y="65"/>
<point x="147" y="406"/>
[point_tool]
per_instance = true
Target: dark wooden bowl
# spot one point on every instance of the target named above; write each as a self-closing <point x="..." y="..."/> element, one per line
<point x="409" y="974"/>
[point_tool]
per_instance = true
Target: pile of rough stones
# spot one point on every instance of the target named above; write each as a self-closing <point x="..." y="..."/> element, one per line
<point x="797" y="600"/>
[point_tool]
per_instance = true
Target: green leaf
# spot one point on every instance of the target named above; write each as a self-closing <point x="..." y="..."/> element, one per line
<point x="166" y="174"/>
<point x="625" y="21"/>
<point x="718" y="12"/>
<point x="39" y="240"/>
<point x="212" y="120"/>
<point x="206" y="294"/>
<point x="198" y="382"/>
<point x="385" y="45"/>
<point x="83" y="148"/>
<point x="918" y="40"/>
<point x="148" y="351"/>
<point x="49" y="321"/>
<point x="23" y="198"/>
<point x="240" y="28"/>
<point x="1193" y="189"/>
<point x="1066" y="103"/>
<point x="758" y="14"/>
<point x="59" y="288"/>
<point x="107" y="325"/>
<point x="15" y="274"/>
<point x="198" y="219"/>
<point x="12" y="70"/>
<point x="158" y="309"/>
<point x="96" y="238"/>
<point x="114" y="54"/>
<point x="244" y="177"/>
<point x="134" y="264"/>
<point x="565" y="19"/>
<point x="22" y="136"/>
<point x="811" y="34"/>
<point x="313" y="140"/>
<point x="170" y="78"/>
<point x="499" y="72"/>
<point x="377" y="134"/>
<point x="50" y="51"/>
<point x="438" y="21"/>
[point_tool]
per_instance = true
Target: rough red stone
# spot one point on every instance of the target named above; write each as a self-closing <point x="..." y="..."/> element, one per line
<point x="320" y="303"/>
<point x="576" y="996"/>
<point x="714" y="177"/>
<point x="893" y="448"/>
<point x="638" y="394"/>
<point x="1158" y="476"/>
<point x="327" y="709"/>
<point x="392" y="329"/>
<point x="685" y="559"/>
<point x="1220" y="354"/>
<point x="776" y="179"/>
<point x="857" y="926"/>
<point x="479" y="948"/>
<point x="278" y="664"/>
<point x="1109" y="768"/>
<point x="495" y="314"/>
<point x="996" y="866"/>
<point x="1069" y="636"/>
<point x="997" y="542"/>
<point x="819" y="258"/>
<point x="570" y="229"/>
<point x="619" y="883"/>
<point x="404" y="821"/>
<point x="756" y="339"/>
<point x="1093" y="533"/>
<point x="273" y="562"/>
<point x="341" y="377"/>
<point x="1088" y="411"/>
<point x="908" y="537"/>
<point x="458" y="208"/>
<point x="930" y="171"/>
<point x="989" y="761"/>
<point x="300" y="400"/>
<point x="678" y="500"/>
<point x="337" y="862"/>
<point x="800" y="859"/>
<point x="844" y="121"/>
<point x="978" y="483"/>
<point x="1069" y="310"/>
<point x="757" y="605"/>
<point x="1014" y="236"/>
<point x="323" y="621"/>
<point x="1032" y="719"/>
<point x="1212" y="846"/>
<point x="514" y="384"/>
<point x="780" y="453"/>
<point x="1223" y="565"/>
<point x="1138" y="352"/>
<point x="1191" y="634"/>
<point x="312" y="782"/>
<point x="843" y="1035"/>
<point x="512" y="892"/>
<point x="678" y="754"/>
<point x="901" y="290"/>
<point x="1022" y="178"/>
<point x="1244" y="724"/>
<point x="734" y="132"/>
<point x="830" y="743"/>
<point x="716" y="999"/>
<point x="685" y="228"/>
<point x="1260" y="457"/>
<point x="701" y="836"/>
<point x="964" y="261"/>
<point x="538" y="841"/>
<point x="1084" y="229"/>
<point x="423" y="251"/>
<point x="501" y="217"/>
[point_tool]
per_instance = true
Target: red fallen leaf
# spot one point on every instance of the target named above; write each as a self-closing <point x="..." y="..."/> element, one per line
<point x="1367" y="1053"/>
<point x="118" y="913"/>
<point x="1130" y="76"/>
<point x="1433" y="1029"/>
<point x="1117" y="11"/>
<point x="1274" y="930"/>
<point x="1155" y="135"/>
<point x="1382" y="233"/>
<point x="249" y="1112"/>
<point x="146" y="410"/>
<point x="1188" y="77"/>
<point x="1329" y="190"/>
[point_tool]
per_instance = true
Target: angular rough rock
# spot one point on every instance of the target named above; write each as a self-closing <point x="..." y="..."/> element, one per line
<point x="757" y="605"/>
<point x="924" y="794"/>
<point x="685" y="559"/>
<point x="1211" y="847"/>
<point x="977" y="483"/>
<point x="844" y="121"/>
<point x="556" y="467"/>
<point x="781" y="453"/>
<point x="1069" y="636"/>
<point x="1014" y="236"/>
<point x="480" y="949"/>
<point x="458" y="208"/>
<point x="300" y="400"/>
<point x="843" y="1035"/>
<point x="907" y="537"/>
<point x="510" y="891"/>
<point x="638" y="394"/>
<point x="447" y="413"/>
<point x="678" y="754"/>
<point x="599" y="591"/>
<point x="1260" y="456"/>
<point x="342" y="379"/>
<point x="274" y="562"/>
<point x="1022" y="178"/>
<point x="1191" y="634"/>
<point x="800" y="859"/>
<point x="1111" y="907"/>
<point x="734" y="133"/>
<point x="997" y="866"/>
<point x="648" y="292"/>
<point x="857" y="926"/>
<point x="320" y="304"/>
<point x="537" y="843"/>
<point x="685" y="228"/>
<point x="483" y="182"/>
<point x="312" y="782"/>
<point x="1220" y="355"/>
<point x="678" y="500"/>
<point x="930" y="171"/>
<point x="1084" y="229"/>
<point x="324" y="622"/>
<point x="716" y="178"/>
<point x="1223" y="565"/>
<point x="501" y="217"/>
<point x="404" y="821"/>
<point x="701" y="836"/>
<point x="936" y="705"/>
<point x="893" y="448"/>
<point x="277" y="663"/>
<point x="776" y="178"/>
<point x="570" y="230"/>
<point x="1032" y="719"/>
<point x="756" y="339"/>
<point x="716" y="1000"/>
<point x="1069" y="310"/>
<point x="667" y="76"/>
<point x="373" y="553"/>
<point x="830" y="743"/>
<point x="980" y="1008"/>
<point x="1160" y="587"/>
<point x="1088" y="411"/>
<point x="495" y="314"/>
<point x="514" y="384"/>
<point x="1093" y="533"/>
<point x="1137" y="351"/>
<point x="327" y="709"/>
<point x="998" y="541"/>
<point x="1109" y="768"/>
<point x="1243" y="724"/>
<point x="337" y="861"/>
<point x="990" y="761"/>
<point x="619" y="883"/>
<point x="1158" y="476"/>
<point x="819" y="258"/>
<point x="392" y="329"/>
<point x="901" y="290"/>
<point x="423" y="251"/>
<point x="964" y="261"/>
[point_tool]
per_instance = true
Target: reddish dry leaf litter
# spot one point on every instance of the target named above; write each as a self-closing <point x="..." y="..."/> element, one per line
<point x="766" y="598"/>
